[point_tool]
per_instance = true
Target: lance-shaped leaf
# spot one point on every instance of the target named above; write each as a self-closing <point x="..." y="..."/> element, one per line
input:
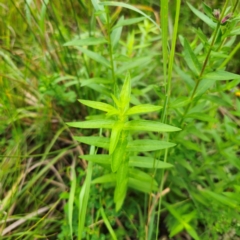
<point x="95" y="141"/>
<point x="202" y="16"/>
<point x="115" y="134"/>
<point x="116" y="34"/>
<point x="95" y="56"/>
<point x="221" y="199"/>
<point x="120" y="151"/>
<point x="219" y="75"/>
<point x="146" y="125"/>
<point x="147" y="162"/>
<point x="201" y="116"/>
<point x="143" y="108"/>
<point x="111" y="177"/>
<point x="128" y="22"/>
<point x="92" y="124"/>
<point x="121" y="183"/>
<point x="148" y="145"/>
<point x="141" y="186"/>
<point x="86" y="42"/>
<point x="191" y="59"/>
<point x="142" y="176"/>
<point x="99" y="105"/>
<point x="125" y="93"/>
<point x="135" y="161"/>
<point x="140" y="62"/>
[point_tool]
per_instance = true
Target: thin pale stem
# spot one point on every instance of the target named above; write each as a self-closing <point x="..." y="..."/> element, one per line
<point x="168" y="94"/>
<point x="111" y="52"/>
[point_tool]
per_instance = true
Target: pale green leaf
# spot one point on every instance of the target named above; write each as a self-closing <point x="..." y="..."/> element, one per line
<point x="148" y="162"/>
<point x="115" y="134"/>
<point x="141" y="186"/>
<point x="99" y="105"/>
<point x="95" y="56"/>
<point x="135" y="161"/>
<point x="119" y="153"/>
<point x="128" y="22"/>
<point x="142" y="176"/>
<point x="121" y="184"/>
<point x="219" y="75"/>
<point x="120" y="193"/>
<point x="147" y="125"/>
<point x="125" y="93"/>
<point x="143" y="108"/>
<point x="95" y="141"/>
<point x="111" y="177"/>
<point x="192" y="232"/>
<point x="100" y="159"/>
<point x="86" y="41"/>
<point x="148" y="145"/>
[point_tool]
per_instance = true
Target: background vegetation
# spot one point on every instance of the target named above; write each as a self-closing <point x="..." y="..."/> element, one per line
<point x="41" y="78"/>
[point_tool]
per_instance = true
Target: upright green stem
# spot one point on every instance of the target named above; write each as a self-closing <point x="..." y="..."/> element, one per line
<point x="168" y="94"/>
<point x="111" y="51"/>
<point x="204" y="64"/>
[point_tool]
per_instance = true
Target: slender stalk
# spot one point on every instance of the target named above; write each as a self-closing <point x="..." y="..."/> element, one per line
<point x="111" y="51"/>
<point x="168" y="94"/>
<point x="235" y="6"/>
<point x="204" y="64"/>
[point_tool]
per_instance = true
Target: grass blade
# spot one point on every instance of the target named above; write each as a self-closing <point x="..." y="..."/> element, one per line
<point x="84" y="196"/>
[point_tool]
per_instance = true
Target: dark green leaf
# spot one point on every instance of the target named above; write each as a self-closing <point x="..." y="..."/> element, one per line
<point x="202" y="117"/>
<point x="95" y="56"/>
<point x="191" y="59"/>
<point x="202" y="16"/>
